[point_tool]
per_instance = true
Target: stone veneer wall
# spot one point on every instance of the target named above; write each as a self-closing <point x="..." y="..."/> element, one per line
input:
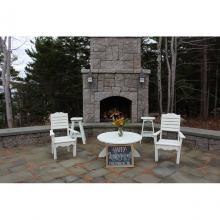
<point x="115" y="68"/>
<point x="115" y="53"/>
<point x="195" y="138"/>
<point x="107" y="85"/>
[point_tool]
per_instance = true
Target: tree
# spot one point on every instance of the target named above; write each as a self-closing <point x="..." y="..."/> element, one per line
<point x="168" y="77"/>
<point x="171" y="67"/>
<point x="173" y="71"/>
<point x="160" y="95"/>
<point x="200" y="58"/>
<point x="204" y="84"/>
<point x="185" y="81"/>
<point x="149" y="61"/>
<point x="54" y="80"/>
<point x="6" y="68"/>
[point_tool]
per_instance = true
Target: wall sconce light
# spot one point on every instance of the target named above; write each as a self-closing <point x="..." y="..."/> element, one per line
<point x="90" y="77"/>
<point x="141" y="76"/>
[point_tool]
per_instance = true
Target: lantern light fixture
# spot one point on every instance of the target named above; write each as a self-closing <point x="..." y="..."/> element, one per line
<point x="90" y="77"/>
<point x="142" y="76"/>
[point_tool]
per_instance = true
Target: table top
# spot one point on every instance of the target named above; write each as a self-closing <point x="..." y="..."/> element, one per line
<point x="147" y="118"/>
<point x="76" y="119"/>
<point x="113" y="138"/>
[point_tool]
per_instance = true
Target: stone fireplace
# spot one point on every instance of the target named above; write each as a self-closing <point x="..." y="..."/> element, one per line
<point x="115" y="80"/>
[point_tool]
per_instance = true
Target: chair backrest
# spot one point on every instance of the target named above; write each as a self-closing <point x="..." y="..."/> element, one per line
<point x="170" y="122"/>
<point x="59" y="120"/>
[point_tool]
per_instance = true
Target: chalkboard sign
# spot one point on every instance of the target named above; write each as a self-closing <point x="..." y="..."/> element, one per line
<point x="119" y="156"/>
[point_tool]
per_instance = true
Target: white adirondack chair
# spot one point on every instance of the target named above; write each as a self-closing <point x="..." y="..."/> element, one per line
<point x="59" y="121"/>
<point x="169" y="123"/>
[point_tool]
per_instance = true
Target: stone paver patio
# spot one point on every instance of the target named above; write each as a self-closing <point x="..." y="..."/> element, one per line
<point x="34" y="164"/>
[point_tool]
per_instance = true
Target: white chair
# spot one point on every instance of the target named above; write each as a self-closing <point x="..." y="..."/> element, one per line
<point x="59" y="121"/>
<point x="169" y="123"/>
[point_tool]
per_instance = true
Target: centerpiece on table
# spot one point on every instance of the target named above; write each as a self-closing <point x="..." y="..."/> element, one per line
<point x="120" y="122"/>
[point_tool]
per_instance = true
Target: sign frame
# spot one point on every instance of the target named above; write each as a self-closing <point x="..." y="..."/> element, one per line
<point x="120" y="145"/>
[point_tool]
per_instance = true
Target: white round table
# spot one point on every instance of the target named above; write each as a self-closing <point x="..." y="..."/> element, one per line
<point x="113" y="138"/>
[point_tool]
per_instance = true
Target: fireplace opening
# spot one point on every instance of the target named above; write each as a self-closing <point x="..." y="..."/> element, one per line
<point x="114" y="105"/>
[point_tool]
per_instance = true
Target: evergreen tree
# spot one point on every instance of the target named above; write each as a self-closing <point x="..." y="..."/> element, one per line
<point x="54" y="80"/>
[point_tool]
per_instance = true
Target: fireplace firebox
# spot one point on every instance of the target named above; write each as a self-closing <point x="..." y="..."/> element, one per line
<point x="114" y="105"/>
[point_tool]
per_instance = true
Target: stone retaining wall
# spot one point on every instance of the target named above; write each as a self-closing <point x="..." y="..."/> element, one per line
<point x="195" y="138"/>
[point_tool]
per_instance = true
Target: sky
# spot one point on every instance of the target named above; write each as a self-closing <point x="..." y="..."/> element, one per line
<point x="19" y="44"/>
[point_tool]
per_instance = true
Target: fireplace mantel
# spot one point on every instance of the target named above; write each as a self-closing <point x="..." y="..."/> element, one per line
<point x="103" y="71"/>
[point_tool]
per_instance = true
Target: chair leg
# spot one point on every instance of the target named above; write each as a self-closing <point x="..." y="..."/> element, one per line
<point x="68" y="148"/>
<point x="52" y="148"/>
<point x="74" y="149"/>
<point x="82" y="132"/>
<point x="55" y="153"/>
<point x="156" y="154"/>
<point x="178" y="157"/>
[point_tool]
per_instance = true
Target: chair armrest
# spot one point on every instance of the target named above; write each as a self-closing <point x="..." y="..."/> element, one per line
<point x="181" y="135"/>
<point x="52" y="133"/>
<point x="155" y="136"/>
<point x="156" y="133"/>
<point x="73" y="132"/>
